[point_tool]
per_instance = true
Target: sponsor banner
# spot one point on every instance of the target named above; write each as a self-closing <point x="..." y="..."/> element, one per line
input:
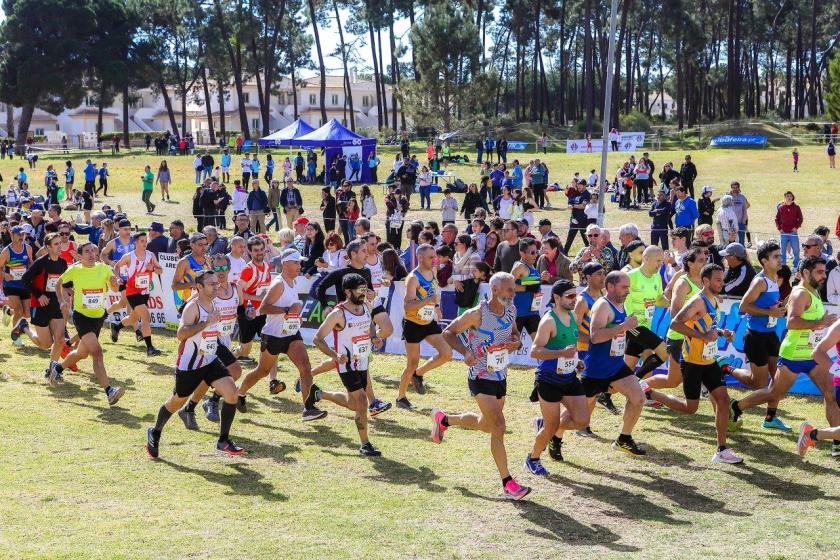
<point x="517" y="145"/>
<point x="630" y="142"/>
<point x="738" y="140"/>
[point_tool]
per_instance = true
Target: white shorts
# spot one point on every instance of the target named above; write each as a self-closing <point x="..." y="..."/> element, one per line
<point x="225" y="169"/>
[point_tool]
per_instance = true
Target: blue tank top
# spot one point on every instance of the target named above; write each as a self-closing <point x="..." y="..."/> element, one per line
<point x="768" y="298"/>
<point x="494" y="330"/>
<point x="605" y="359"/>
<point x="121" y="249"/>
<point x="194" y="264"/>
<point x="523" y="301"/>
<point x="16" y="265"/>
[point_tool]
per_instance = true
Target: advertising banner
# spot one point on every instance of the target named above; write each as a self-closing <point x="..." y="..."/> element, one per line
<point x="630" y="142"/>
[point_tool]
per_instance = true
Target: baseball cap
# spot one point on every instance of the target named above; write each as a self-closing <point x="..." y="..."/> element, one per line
<point x="197" y="237"/>
<point x="706" y="189"/>
<point x="124" y="223"/>
<point x="290" y="255"/>
<point x="27" y="228"/>
<point x="17" y="230"/>
<point x="302" y="220"/>
<point x="156" y="226"/>
<point x="734" y="250"/>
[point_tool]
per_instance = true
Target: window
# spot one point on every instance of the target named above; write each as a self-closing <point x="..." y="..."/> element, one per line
<point x="281" y="99"/>
<point x="365" y="101"/>
<point x="39" y="132"/>
<point x="90" y="101"/>
<point x="255" y="124"/>
<point x="312" y="100"/>
<point x="334" y="99"/>
<point x="247" y="97"/>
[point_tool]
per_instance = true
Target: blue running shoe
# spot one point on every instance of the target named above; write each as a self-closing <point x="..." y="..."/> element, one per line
<point x="776" y="424"/>
<point x="538" y="424"/>
<point x="534" y="466"/>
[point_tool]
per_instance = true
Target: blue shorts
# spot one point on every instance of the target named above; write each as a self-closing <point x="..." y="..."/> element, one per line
<point x="798" y="366"/>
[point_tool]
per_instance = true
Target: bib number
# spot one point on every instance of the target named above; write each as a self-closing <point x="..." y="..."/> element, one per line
<point x="816" y="337"/>
<point x="566" y="366"/>
<point x="835" y="370"/>
<point x="17" y="273"/>
<point x="52" y="283"/>
<point x="142" y="281"/>
<point x="649" y="310"/>
<point x="618" y="345"/>
<point x="497" y="358"/>
<point x="536" y="304"/>
<point x="93" y="299"/>
<point x="361" y="347"/>
<point x="209" y="342"/>
<point x="291" y="325"/>
<point x="426" y="313"/>
<point x="710" y="350"/>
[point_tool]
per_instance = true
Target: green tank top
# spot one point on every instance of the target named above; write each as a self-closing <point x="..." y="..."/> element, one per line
<point x="799" y="343"/>
<point x="693" y="290"/>
<point x="565" y="335"/>
<point x="644" y="291"/>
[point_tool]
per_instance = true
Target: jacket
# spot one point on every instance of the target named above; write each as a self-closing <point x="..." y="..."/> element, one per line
<point x="788" y="217"/>
<point x="562" y="265"/>
<point x="295" y="195"/>
<point x="685" y="212"/>
<point x="257" y="201"/>
<point x="688" y="172"/>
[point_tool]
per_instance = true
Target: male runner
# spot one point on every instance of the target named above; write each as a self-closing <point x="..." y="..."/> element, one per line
<point x="490" y="333"/>
<point x="139" y="265"/>
<point x="188" y="267"/>
<point x="254" y="280"/>
<point x="238" y="258"/>
<point x="808" y="435"/>
<point x="605" y="367"/>
<point x="646" y="294"/>
<point x="15" y="259"/>
<point x="113" y="251"/>
<point x="528" y="298"/>
<point x="806" y="324"/>
<point x="90" y="280"/>
<point x="420" y="322"/>
<point x="352" y="330"/>
<point x="761" y="343"/>
<point x="698" y="322"/>
<point x="280" y="309"/>
<point x="197" y="362"/>
<point x="555" y="346"/>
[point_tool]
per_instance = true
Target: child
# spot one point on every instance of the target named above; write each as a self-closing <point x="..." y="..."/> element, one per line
<point x="593" y="179"/>
<point x="448" y="208"/>
<point x="466" y="298"/>
<point x="444" y="267"/>
<point x="21" y="177"/>
<point x="591" y="210"/>
<point x="795" y="160"/>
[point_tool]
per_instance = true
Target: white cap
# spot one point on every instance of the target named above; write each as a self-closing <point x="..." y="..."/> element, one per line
<point x="290" y="255"/>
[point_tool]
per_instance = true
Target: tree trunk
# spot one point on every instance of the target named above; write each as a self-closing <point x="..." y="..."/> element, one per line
<point x="382" y="81"/>
<point x="321" y="68"/>
<point x="184" y="110"/>
<point x="413" y="55"/>
<point x="375" y="75"/>
<point x="788" y="82"/>
<point x="222" y="117"/>
<point x="294" y="92"/>
<point x="100" y="108"/>
<point x="588" y="69"/>
<point x="534" y="92"/>
<point x="561" y="87"/>
<point x="812" y="79"/>
<point x="169" y="111"/>
<point x="207" y="106"/>
<point x="26" y="113"/>
<point x="10" y="120"/>
<point x="348" y="95"/>
<point x="395" y="71"/>
<point x="800" y="105"/>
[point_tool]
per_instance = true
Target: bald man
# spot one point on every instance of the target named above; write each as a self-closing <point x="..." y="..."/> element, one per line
<point x="646" y="294"/>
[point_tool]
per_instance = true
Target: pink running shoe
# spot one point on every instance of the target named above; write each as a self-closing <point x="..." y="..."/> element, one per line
<point x="438" y="428"/>
<point x="513" y="491"/>
<point x="805" y="440"/>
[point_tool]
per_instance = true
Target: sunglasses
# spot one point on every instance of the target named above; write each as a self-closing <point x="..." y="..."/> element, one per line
<point x="65" y="234"/>
<point x="804" y="246"/>
<point x="570" y="296"/>
<point x="593" y="235"/>
<point x="221" y="267"/>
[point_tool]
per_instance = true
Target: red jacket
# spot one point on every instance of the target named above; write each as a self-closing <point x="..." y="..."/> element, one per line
<point x="788" y="217"/>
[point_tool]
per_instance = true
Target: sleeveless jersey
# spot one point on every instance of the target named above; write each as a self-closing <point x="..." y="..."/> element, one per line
<point x="199" y="349"/>
<point x="257" y="278"/>
<point x="189" y="276"/>
<point x="426" y="290"/>
<point x="560" y="370"/>
<point x="283" y="325"/>
<point x="353" y="340"/>
<point x="695" y="350"/>
<point x="644" y="291"/>
<point x="376" y="275"/>
<point x="237" y="264"/>
<point x="583" y="344"/>
<point x="487" y="343"/>
<point x="16" y="266"/>
<point x="768" y="298"/>
<point x="605" y="359"/>
<point x="693" y="290"/>
<point x="67" y="255"/>
<point x="528" y="304"/>
<point x="121" y="249"/>
<point x="227" y="309"/>
<point x="139" y="274"/>
<point x="799" y="343"/>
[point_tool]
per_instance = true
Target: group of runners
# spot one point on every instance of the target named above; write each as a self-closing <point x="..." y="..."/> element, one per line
<point x="590" y="341"/>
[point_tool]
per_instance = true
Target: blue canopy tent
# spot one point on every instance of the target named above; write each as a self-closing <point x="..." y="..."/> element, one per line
<point x="336" y="139"/>
<point x="286" y="136"/>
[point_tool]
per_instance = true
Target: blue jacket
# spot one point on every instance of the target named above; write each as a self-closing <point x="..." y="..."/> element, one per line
<point x="685" y="212"/>
<point x="90" y="172"/>
<point x="257" y="201"/>
<point x="93" y="233"/>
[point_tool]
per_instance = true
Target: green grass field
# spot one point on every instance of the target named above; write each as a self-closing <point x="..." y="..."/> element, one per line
<point x="75" y="481"/>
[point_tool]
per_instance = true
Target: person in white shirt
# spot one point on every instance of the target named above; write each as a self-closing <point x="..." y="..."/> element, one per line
<point x="727" y="221"/>
<point x="239" y="200"/>
<point x="198" y="166"/>
<point x="591" y="209"/>
<point x="448" y="208"/>
<point x="593" y="179"/>
<point x="245" y="162"/>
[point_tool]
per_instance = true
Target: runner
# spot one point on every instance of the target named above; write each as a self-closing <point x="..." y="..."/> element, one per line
<point x="420" y="322"/>
<point x="646" y="294"/>
<point x="226" y="301"/>
<point x="280" y="327"/>
<point x="41" y="279"/>
<point x="90" y="280"/>
<point x="490" y="332"/>
<point x="238" y="258"/>
<point x="197" y="362"/>
<point x="139" y="265"/>
<point x="183" y="279"/>
<point x="806" y="324"/>
<point x="528" y="298"/>
<point x="556" y="384"/>
<point x="254" y="280"/>
<point x="761" y="343"/>
<point x="605" y="367"/>
<point x="698" y="322"/>
<point x="808" y="434"/>
<point x="113" y="251"/>
<point x="15" y="259"/>
<point x="352" y="330"/>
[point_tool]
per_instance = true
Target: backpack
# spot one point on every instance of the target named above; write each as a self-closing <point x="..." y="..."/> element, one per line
<point x="369" y="207"/>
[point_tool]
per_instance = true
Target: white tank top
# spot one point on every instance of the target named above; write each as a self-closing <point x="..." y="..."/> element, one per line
<point x="199" y="349"/>
<point x="376" y="276"/>
<point x="139" y="273"/>
<point x="353" y="340"/>
<point x="227" y="309"/>
<point x="236" y="266"/>
<point x="283" y="325"/>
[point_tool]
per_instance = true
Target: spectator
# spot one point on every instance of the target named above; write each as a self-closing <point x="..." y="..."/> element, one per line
<point x="685" y="209"/>
<point x="392" y="266"/>
<point x="491" y="243"/>
<point x="626" y="234"/>
<point x="215" y="245"/>
<point x="545" y="230"/>
<point x="740" y="205"/>
<point x="578" y="221"/>
<point x="552" y="264"/>
<point x="257" y="205"/>
<point x="369" y="209"/>
<point x="472" y="200"/>
<point x="596" y="251"/>
<point x="832" y="285"/>
<point x="273" y="204"/>
<point x="507" y="252"/>
<point x="396" y="207"/>
<point x="412" y="234"/>
<point x="739" y="270"/>
<point x="424" y="185"/>
<point x="176" y="233"/>
<point x="704" y="236"/>
<point x="463" y="261"/>
<point x="241" y="229"/>
<point x="291" y="201"/>
<point x="706" y="207"/>
<point x="660" y="213"/>
<point x="300" y="233"/>
<point x="164" y="178"/>
<point x="688" y="173"/>
<point x="727" y="222"/>
<point x="539" y="181"/>
<point x="148" y="183"/>
<point x="788" y="221"/>
<point x="448" y="208"/>
<point x="92" y="230"/>
<point x="827" y="249"/>
<point x="158" y="242"/>
<point x="444" y="265"/>
<point x="313" y="248"/>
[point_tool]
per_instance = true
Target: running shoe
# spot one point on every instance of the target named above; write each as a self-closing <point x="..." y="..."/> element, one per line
<point x="246" y="360"/>
<point x="605" y="400"/>
<point x="211" y="409"/>
<point x="805" y="440"/>
<point x="312" y="398"/>
<point x="586" y="432"/>
<point x="650" y="403"/>
<point x="704" y="393"/>
<point x="227" y="447"/>
<point x="835" y="449"/>
<point x="53" y="374"/>
<point x="405" y="404"/>
<point x="513" y="491"/>
<point x="417" y="381"/>
<point x="276" y="387"/>
<point x="241" y="405"/>
<point x="776" y="424"/>
<point x="555" y="448"/>
<point x="368" y="450"/>
<point x="628" y="446"/>
<point x="538" y="424"/>
<point x="151" y="352"/>
<point x="313" y="413"/>
<point x="534" y="466"/>
<point x="115" y="394"/>
<point x="377" y="407"/>
<point x="115" y="332"/>
<point x="18" y="330"/>
<point x="152" y="444"/>
<point x="727" y="456"/>
<point x="438" y="427"/>
<point x="734" y="424"/>
<point x="64" y="352"/>
<point x="188" y="418"/>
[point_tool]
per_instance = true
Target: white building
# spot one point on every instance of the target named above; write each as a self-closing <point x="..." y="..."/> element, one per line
<point x="656" y="102"/>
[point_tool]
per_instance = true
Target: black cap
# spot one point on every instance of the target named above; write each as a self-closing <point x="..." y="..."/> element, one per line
<point x="124" y="223"/>
<point x="561" y="287"/>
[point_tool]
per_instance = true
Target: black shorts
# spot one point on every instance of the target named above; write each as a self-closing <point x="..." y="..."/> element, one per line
<point x="188" y="380"/>
<point x="22" y="293"/>
<point x="41" y="316"/>
<point x="554" y="392"/>
<point x="225" y="355"/>
<point x="529" y="323"/>
<point x="760" y="346"/>
<point x="415" y="334"/>
<point x="593" y="386"/>
<point x="354" y="380"/>
<point x="248" y="328"/>
<point x="85" y="324"/>
<point x="496" y="389"/>
<point x="674" y="349"/>
<point x="693" y="375"/>
<point x="643" y="339"/>
<point x="377" y="310"/>
<point x="276" y="345"/>
<point x="137" y="300"/>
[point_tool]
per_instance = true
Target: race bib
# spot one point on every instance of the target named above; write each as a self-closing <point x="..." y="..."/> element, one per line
<point x="649" y="309"/>
<point x="835" y="370"/>
<point x="536" y="304"/>
<point x="123" y="272"/>
<point x="17" y="272"/>
<point x="52" y="282"/>
<point x="209" y="342"/>
<point x="771" y="322"/>
<point x="426" y="313"/>
<point x="816" y="337"/>
<point x="291" y="325"/>
<point x="93" y="299"/>
<point x="497" y="357"/>
<point x="142" y="281"/>
<point x="618" y="345"/>
<point x="361" y="347"/>
<point x="226" y="326"/>
<point x="566" y="366"/>
<point x="709" y="350"/>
